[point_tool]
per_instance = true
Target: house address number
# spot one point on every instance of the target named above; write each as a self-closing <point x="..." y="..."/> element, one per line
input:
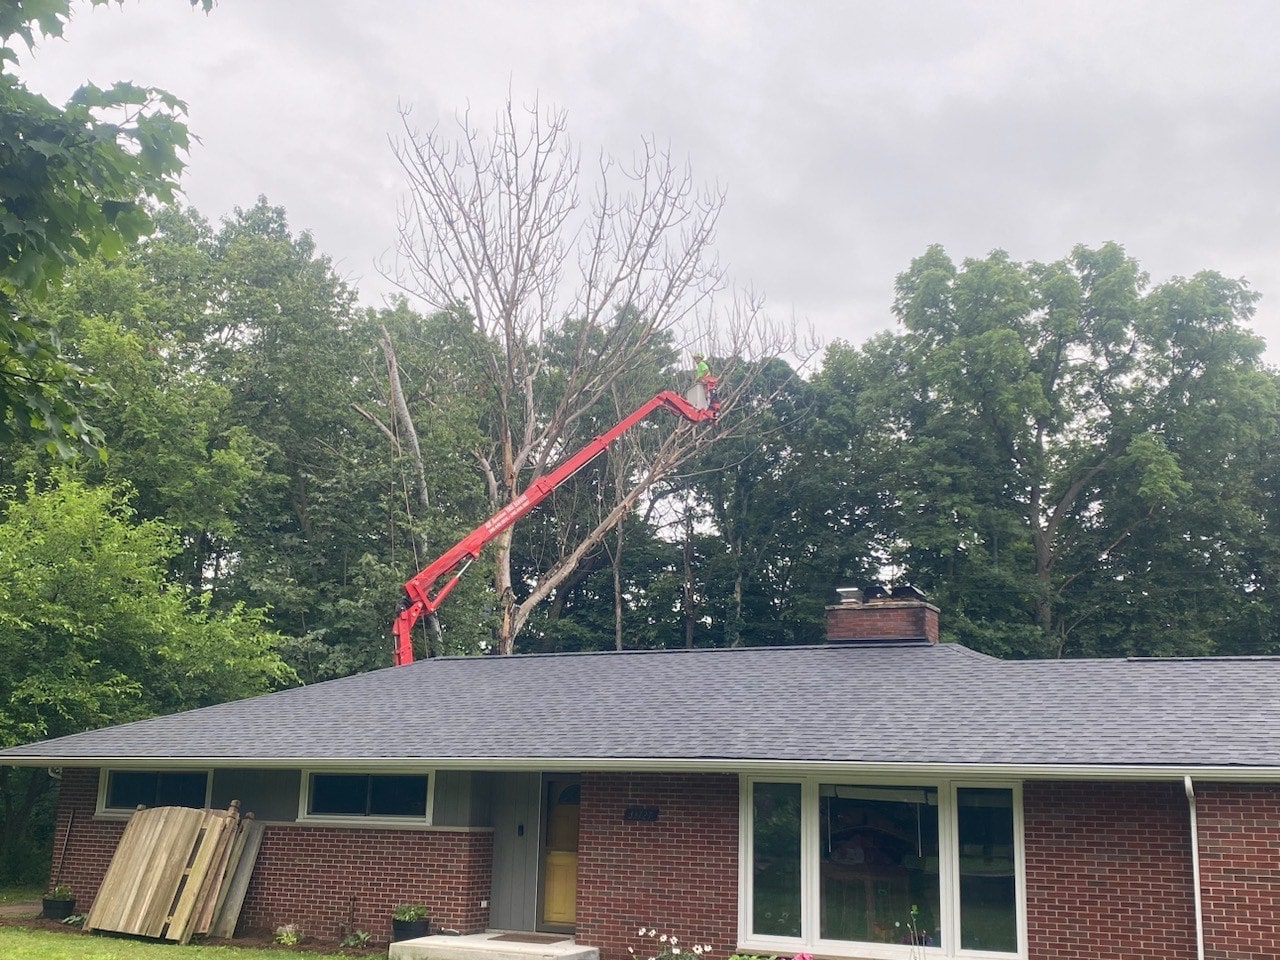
<point x="640" y="813"/>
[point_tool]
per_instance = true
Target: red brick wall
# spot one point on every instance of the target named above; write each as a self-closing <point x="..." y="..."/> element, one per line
<point x="882" y="619"/>
<point x="92" y="843"/>
<point x="322" y="878"/>
<point x="1239" y="826"/>
<point x="1108" y="871"/>
<point x="326" y="879"/>
<point x="678" y="873"/>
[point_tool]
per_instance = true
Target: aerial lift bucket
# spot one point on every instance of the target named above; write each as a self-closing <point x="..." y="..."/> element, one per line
<point x="697" y="396"/>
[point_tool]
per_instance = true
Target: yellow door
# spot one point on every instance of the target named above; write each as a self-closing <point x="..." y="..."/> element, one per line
<point x="560" y="887"/>
<point x="560" y="857"/>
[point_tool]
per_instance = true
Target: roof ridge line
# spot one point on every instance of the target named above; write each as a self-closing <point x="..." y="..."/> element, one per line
<point x="689" y="650"/>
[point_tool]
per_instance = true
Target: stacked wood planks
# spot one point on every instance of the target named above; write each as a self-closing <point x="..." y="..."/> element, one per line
<point x="178" y="872"/>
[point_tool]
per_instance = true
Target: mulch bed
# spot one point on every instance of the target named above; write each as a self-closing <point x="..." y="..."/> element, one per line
<point x="259" y="939"/>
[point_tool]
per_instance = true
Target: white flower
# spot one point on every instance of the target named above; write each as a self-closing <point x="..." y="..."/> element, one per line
<point x="642" y="932"/>
<point x="674" y="941"/>
<point x="675" y="950"/>
<point x="697" y="949"/>
<point x="663" y="938"/>
<point x="631" y="950"/>
<point x="706" y="947"/>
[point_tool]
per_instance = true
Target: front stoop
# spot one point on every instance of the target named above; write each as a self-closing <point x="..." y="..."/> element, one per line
<point x="483" y="946"/>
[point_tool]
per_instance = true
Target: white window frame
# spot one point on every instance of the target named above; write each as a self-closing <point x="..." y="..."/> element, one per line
<point x="948" y="872"/>
<point x="350" y="820"/>
<point x="123" y="813"/>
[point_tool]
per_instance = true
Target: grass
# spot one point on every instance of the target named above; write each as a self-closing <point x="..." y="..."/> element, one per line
<point x="17" y="943"/>
<point x="21" y="894"/>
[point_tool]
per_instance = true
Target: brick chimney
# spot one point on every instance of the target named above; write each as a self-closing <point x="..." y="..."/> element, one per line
<point x="882" y="616"/>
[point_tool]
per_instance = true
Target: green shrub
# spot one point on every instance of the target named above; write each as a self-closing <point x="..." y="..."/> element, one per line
<point x="410" y="911"/>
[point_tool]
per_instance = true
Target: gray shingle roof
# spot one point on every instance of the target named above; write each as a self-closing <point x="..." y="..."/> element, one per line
<point x="871" y="704"/>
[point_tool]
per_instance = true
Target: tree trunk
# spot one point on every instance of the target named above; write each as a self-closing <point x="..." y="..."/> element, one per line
<point x="617" y="588"/>
<point x="402" y="435"/>
<point x="734" y="631"/>
<point x="504" y="634"/>
<point x="688" y="580"/>
<point x="402" y="422"/>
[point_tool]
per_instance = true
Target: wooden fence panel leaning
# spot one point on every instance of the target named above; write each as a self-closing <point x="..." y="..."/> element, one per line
<point x="175" y="873"/>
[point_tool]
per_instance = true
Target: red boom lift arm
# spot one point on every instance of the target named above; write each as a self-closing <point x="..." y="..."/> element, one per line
<point x="422" y="597"/>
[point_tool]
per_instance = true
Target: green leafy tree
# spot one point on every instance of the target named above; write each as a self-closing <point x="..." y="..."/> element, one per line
<point x="279" y="341"/>
<point x="1073" y="446"/>
<point x="233" y="356"/>
<point x="281" y="334"/>
<point x="92" y="631"/>
<point x="73" y="182"/>
<point x="754" y="495"/>
<point x="639" y="588"/>
<point x="1255" y="627"/>
<point x="139" y="322"/>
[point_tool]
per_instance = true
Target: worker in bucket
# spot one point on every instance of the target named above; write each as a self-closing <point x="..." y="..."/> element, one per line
<point x="700" y="368"/>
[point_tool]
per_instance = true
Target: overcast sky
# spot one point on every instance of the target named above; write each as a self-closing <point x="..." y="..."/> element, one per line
<point x="849" y="136"/>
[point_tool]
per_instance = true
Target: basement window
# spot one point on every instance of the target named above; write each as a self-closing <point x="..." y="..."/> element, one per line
<point x="367" y="796"/>
<point x="872" y="869"/>
<point x="123" y="791"/>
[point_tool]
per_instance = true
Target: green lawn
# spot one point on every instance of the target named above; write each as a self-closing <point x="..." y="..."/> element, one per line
<point x="17" y="943"/>
<point x="21" y="894"/>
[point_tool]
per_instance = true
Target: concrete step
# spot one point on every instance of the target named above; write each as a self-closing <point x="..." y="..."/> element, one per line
<point x="484" y="946"/>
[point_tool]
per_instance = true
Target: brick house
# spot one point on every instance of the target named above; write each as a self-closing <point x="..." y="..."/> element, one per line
<point x="828" y="799"/>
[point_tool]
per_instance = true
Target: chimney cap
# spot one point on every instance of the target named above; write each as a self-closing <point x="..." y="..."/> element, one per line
<point x="877" y="592"/>
<point x="849" y="594"/>
<point x="907" y="592"/>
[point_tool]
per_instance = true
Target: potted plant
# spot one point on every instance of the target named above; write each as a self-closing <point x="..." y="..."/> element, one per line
<point x="58" y="904"/>
<point x="409" y="920"/>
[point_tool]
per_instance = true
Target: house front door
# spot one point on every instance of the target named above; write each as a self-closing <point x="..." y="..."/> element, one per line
<point x="560" y="852"/>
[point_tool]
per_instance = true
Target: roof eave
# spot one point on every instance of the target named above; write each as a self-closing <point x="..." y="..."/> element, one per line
<point x="745" y="767"/>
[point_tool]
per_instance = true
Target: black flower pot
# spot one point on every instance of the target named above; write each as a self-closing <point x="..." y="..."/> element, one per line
<point x="57" y="909"/>
<point x="408" y="929"/>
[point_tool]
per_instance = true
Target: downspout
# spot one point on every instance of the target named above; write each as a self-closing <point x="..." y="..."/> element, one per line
<point x="1195" y="865"/>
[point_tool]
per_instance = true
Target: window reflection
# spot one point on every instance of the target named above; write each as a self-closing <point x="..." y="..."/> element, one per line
<point x="878" y="860"/>
<point x="988" y="920"/>
<point x="776" y="860"/>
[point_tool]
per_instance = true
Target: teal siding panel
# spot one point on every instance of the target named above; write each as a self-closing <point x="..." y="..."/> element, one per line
<point x="517" y="806"/>
<point x="267" y="794"/>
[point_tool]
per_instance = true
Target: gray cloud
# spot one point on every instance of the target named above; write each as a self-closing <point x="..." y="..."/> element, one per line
<point x="849" y="136"/>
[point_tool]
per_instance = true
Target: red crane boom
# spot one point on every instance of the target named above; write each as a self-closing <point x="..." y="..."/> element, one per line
<point x="422" y="597"/>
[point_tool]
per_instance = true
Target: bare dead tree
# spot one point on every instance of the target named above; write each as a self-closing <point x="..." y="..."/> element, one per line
<point x="402" y="434"/>
<point x="497" y="222"/>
